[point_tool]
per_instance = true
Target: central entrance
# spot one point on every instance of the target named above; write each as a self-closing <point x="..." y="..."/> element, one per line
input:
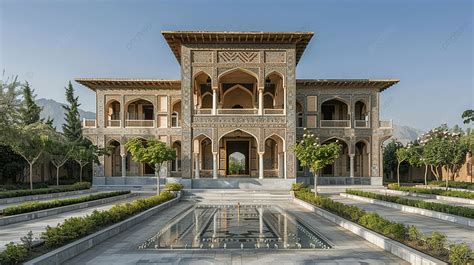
<point x="237" y="160"/>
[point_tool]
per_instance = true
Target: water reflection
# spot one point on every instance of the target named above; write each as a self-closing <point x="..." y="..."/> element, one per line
<point x="235" y="227"/>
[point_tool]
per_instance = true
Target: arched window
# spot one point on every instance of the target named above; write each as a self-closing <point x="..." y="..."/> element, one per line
<point x="175" y="120"/>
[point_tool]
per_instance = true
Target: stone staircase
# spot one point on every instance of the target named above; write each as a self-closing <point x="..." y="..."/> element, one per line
<point x="216" y="196"/>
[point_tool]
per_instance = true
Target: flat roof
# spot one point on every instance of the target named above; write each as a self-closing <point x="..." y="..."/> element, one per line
<point x="381" y="84"/>
<point x="95" y="83"/>
<point x="176" y="38"/>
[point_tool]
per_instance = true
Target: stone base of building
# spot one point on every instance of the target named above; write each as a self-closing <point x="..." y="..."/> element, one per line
<point x="139" y="182"/>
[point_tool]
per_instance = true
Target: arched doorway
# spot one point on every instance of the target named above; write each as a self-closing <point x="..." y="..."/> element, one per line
<point x="176" y="114"/>
<point x="335" y="113"/>
<point x="140" y="113"/>
<point x="176" y="164"/>
<point x="238" y="154"/>
<point x="113" y="114"/>
<point x="361" y="115"/>
<point x="202" y="93"/>
<point x="113" y="162"/>
<point x="361" y="163"/>
<point x="238" y="90"/>
<point x="273" y="158"/>
<point x="341" y="166"/>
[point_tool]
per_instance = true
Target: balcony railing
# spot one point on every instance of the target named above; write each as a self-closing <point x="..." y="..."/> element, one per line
<point x="140" y="123"/>
<point x="361" y="124"/>
<point x="203" y="111"/>
<point x="273" y="111"/>
<point x="385" y="124"/>
<point x="237" y="111"/>
<point x="114" y="123"/>
<point x="89" y="123"/>
<point x="335" y="123"/>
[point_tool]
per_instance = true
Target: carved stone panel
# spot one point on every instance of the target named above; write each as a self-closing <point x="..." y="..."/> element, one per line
<point x="238" y="57"/>
<point x="202" y="56"/>
<point x="275" y="57"/>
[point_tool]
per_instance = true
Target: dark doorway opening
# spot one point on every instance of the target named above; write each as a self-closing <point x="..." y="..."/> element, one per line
<point x="237" y="160"/>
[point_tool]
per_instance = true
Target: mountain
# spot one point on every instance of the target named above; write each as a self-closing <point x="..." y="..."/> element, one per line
<point x="55" y="110"/>
<point x="405" y="134"/>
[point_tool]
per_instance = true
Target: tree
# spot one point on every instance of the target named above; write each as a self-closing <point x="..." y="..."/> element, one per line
<point x="416" y="159"/>
<point x="402" y="155"/>
<point x="59" y="152"/>
<point x="72" y="127"/>
<point x="85" y="155"/>
<point x="390" y="156"/>
<point x="12" y="164"/>
<point x="153" y="152"/>
<point x="311" y="153"/>
<point x="9" y="106"/>
<point x="30" y="143"/>
<point x="468" y="116"/>
<point x="29" y="110"/>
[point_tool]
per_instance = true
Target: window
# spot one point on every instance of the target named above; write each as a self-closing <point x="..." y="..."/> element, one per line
<point x="311" y="104"/>
<point x="300" y="121"/>
<point x="175" y="120"/>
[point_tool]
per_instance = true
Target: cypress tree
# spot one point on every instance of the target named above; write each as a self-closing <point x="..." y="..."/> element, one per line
<point x="72" y="128"/>
<point x="29" y="110"/>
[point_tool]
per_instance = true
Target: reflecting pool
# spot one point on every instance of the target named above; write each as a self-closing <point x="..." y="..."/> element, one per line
<point x="236" y="227"/>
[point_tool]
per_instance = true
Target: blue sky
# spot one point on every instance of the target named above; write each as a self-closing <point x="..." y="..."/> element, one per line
<point x="428" y="45"/>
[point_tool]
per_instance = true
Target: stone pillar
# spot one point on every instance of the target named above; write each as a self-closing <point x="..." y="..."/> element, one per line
<point x="215" y="165"/>
<point x="260" y="101"/>
<point x="260" y="165"/>
<point x="214" y="101"/>
<point x="214" y="222"/>
<point x="186" y="108"/>
<point x="124" y="163"/>
<point x="196" y="165"/>
<point x="351" y="158"/>
<point x="281" y="165"/>
<point x="260" y="222"/>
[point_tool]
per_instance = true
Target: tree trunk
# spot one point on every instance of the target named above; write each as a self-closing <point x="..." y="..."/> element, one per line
<point x="157" y="175"/>
<point x="398" y="174"/>
<point x="57" y="176"/>
<point x="31" y="176"/>
<point x="426" y="174"/>
<point x="80" y="173"/>
<point x="315" y="183"/>
<point x="447" y="177"/>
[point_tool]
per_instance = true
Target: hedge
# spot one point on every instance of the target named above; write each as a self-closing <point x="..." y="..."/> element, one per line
<point x="19" y="193"/>
<point x="438" y="207"/>
<point x="37" y="206"/>
<point x="453" y="184"/>
<point x="74" y="228"/>
<point x="174" y="186"/>
<point x="448" y="193"/>
<point x="434" y="244"/>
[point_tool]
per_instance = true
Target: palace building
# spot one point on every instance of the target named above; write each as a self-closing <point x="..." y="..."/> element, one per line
<point x="235" y="114"/>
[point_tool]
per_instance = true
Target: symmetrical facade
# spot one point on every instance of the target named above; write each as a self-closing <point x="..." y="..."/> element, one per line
<point x="237" y="111"/>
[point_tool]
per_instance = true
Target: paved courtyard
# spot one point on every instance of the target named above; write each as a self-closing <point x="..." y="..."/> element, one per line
<point x="122" y="249"/>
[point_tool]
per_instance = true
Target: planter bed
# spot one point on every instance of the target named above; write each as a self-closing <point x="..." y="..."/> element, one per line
<point x="439" y="191"/>
<point x="428" y="196"/>
<point x="20" y="193"/>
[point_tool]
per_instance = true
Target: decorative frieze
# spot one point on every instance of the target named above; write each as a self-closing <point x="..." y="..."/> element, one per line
<point x="238" y="57"/>
<point x="275" y="57"/>
<point x="202" y="56"/>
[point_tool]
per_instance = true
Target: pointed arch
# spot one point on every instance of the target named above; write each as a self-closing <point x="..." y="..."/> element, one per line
<point x="238" y="129"/>
<point x="237" y="69"/>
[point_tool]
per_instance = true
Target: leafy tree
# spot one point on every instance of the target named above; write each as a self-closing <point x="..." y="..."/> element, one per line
<point x="30" y="143"/>
<point x="12" y="164"/>
<point x="416" y="159"/>
<point x="29" y="111"/>
<point x="10" y="91"/>
<point x="59" y="152"/>
<point x="153" y="152"/>
<point x="85" y="155"/>
<point x="72" y="128"/>
<point x="390" y="156"/>
<point x="311" y="153"/>
<point x="468" y="116"/>
<point x="402" y="155"/>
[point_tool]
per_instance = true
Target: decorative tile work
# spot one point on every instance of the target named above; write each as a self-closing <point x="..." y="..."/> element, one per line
<point x="275" y="57"/>
<point x="202" y="56"/>
<point x="238" y="57"/>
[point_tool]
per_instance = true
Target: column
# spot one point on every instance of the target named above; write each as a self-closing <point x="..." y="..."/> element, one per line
<point x="260" y="222"/>
<point x="124" y="163"/>
<point x="260" y="101"/>
<point x="281" y="165"/>
<point x="260" y="165"/>
<point x="196" y="165"/>
<point x="215" y="165"/>
<point x="214" y="224"/>
<point x="214" y="101"/>
<point x="351" y="157"/>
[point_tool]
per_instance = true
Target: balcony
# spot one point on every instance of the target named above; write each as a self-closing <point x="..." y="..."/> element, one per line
<point x="386" y="124"/>
<point x="237" y="111"/>
<point x="140" y="123"/>
<point x="203" y="111"/>
<point x="361" y="124"/>
<point x="273" y="111"/>
<point x="335" y="123"/>
<point x="114" y="123"/>
<point x="89" y="123"/>
<point x="268" y="112"/>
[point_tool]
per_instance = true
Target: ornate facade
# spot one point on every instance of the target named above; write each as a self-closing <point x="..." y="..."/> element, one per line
<point x="237" y="111"/>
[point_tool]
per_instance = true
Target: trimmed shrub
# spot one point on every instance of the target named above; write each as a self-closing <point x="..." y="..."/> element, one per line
<point x="460" y="254"/>
<point x="174" y="186"/>
<point x="438" y="207"/>
<point x="393" y="186"/>
<point x="453" y="184"/>
<point x="298" y="186"/>
<point x="436" y="242"/>
<point x="77" y="227"/>
<point x="449" y="193"/>
<point x="414" y="234"/>
<point x="13" y="254"/>
<point x="26" y="192"/>
<point x="37" y="206"/>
